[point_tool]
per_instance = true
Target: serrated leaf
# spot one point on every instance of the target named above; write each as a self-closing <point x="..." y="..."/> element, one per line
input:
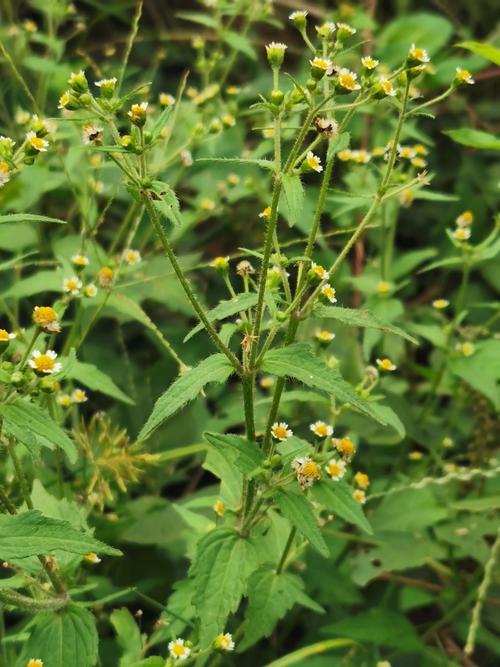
<point x="32" y="425"/>
<point x="96" y="380"/>
<point x="481" y="370"/>
<point x="63" y="638"/>
<point x="226" y="309"/>
<point x="218" y="576"/>
<point x="31" y="533"/>
<point x="360" y="318"/>
<point x="245" y="455"/>
<point x="474" y="138"/>
<point x="166" y="203"/>
<point x="337" y="498"/>
<point x="299" y="511"/>
<point x="29" y="217"/>
<point x="299" y="362"/>
<point x="294" y="197"/>
<point x="487" y="51"/>
<point x="270" y="595"/>
<point x="215" y="368"/>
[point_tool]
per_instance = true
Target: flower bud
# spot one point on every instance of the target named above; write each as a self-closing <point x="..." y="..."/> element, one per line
<point x="276" y="54"/>
<point x="277" y="97"/>
<point x="299" y="19"/>
<point x="78" y="82"/>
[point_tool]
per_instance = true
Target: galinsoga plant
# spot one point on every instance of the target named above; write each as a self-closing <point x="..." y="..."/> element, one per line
<point x="277" y="490"/>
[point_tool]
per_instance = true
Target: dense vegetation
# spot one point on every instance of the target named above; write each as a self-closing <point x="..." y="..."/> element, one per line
<point x="250" y="360"/>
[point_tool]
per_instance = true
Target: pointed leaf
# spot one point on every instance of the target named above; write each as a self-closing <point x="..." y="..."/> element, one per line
<point x="360" y="318"/>
<point x="226" y="309"/>
<point x="294" y="197"/>
<point x="242" y="453"/>
<point x="299" y="511"/>
<point x="337" y="498"/>
<point x="96" y="380"/>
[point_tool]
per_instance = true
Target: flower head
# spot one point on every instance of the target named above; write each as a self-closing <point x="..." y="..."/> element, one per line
<point x="64" y="100"/>
<point x="44" y="363"/>
<point x="72" y="285"/>
<point x="80" y="260"/>
<point x="6" y="337"/>
<point x="344" y="31"/>
<point x="359" y="496"/>
<point x="166" y="100"/>
<point x="461" y="234"/>
<point x="36" y="143"/>
<point x="369" y="63"/>
<point x="178" y="649"/>
<point x="336" y="469"/>
<point x="4" y="173"/>
<point x="35" y="662"/>
<point x="280" y="431"/>
<point x="107" y="86"/>
<point x="386" y="364"/>
<point x="345" y="155"/>
<point x="224" y="642"/>
<point x="105" y="276"/>
<point x="219" y="507"/>
<point x="276" y="53"/>
<point x="79" y="396"/>
<point x="386" y="87"/>
<point x="439" y="304"/>
<point x="348" y="80"/>
<point x="418" y="55"/>
<point x="326" y="126"/>
<point x="46" y="318"/>
<point x="329" y="292"/>
<point x="244" y="268"/>
<point x="313" y="162"/>
<point x="90" y="290"/>
<point x="360" y="156"/>
<point x="318" y="272"/>
<point x="92" y="134"/>
<point x="465" y="219"/>
<point x="306" y="470"/>
<point x="326" y="30"/>
<point x="321" y="429"/>
<point x="266" y="213"/>
<point x="321" y="66"/>
<point x="266" y="382"/>
<point x="299" y="19"/>
<point x="463" y="76"/>
<point x="324" y="336"/>
<point x="137" y="113"/>
<point x="362" y="480"/>
<point x="220" y="264"/>
<point x="467" y="348"/>
<point x="92" y="558"/>
<point x="345" y="447"/>
<point x="64" y="400"/>
<point x="383" y="287"/>
<point x="132" y="256"/>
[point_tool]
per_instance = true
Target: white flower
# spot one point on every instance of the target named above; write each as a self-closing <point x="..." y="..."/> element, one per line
<point x="462" y="234"/>
<point x="321" y="429"/>
<point x="336" y="469"/>
<point x="4" y="173"/>
<point x="224" y="642"/>
<point x="107" y="82"/>
<point x="280" y="431"/>
<point x="45" y="363"/>
<point x="348" y="80"/>
<point x="79" y="396"/>
<point x="80" y="260"/>
<point x="313" y="162"/>
<point x="418" y="54"/>
<point x="90" y="290"/>
<point x="369" y="63"/>
<point x="178" y="649"/>
<point x="166" y="100"/>
<point x="464" y="76"/>
<point x="132" y="256"/>
<point x="329" y="293"/>
<point x="386" y="364"/>
<point x="37" y="143"/>
<point x="306" y="470"/>
<point x="72" y="285"/>
<point x="323" y="64"/>
<point x="387" y="87"/>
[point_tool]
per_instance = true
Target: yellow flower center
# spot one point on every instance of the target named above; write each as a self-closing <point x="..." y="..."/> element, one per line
<point x="321" y="430"/>
<point x="280" y="432"/>
<point x="386" y="364"/>
<point x="348" y="81"/>
<point x="4" y="336"/>
<point x="345" y="446"/>
<point x="334" y="469"/>
<point x="37" y="143"/>
<point x="178" y="650"/>
<point x="44" y="363"/>
<point x="387" y="87"/>
<point x="310" y="469"/>
<point x="44" y="315"/>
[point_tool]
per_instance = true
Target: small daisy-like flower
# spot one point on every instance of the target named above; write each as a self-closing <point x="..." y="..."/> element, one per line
<point x="178" y="649"/>
<point x="318" y="271"/>
<point x="220" y="264"/>
<point x="4" y="173"/>
<point x="46" y="318"/>
<point x="461" y="234"/>
<point x="266" y="213"/>
<point x="276" y="53"/>
<point x="345" y="155"/>
<point x="36" y="143"/>
<point x="359" y="496"/>
<point x="35" y="662"/>
<point x="361" y="156"/>
<point x="266" y="382"/>
<point x="387" y="87"/>
<point x="105" y="276"/>
<point x="383" y="287"/>
<point x="92" y="558"/>
<point x="64" y="400"/>
<point x="137" y="113"/>
<point x="92" y="134"/>
<point x="233" y="179"/>
<point x="207" y="204"/>
<point x="30" y="26"/>
<point x="80" y="260"/>
<point x="232" y="90"/>
<point x="280" y="431"/>
<point x="447" y="442"/>
<point x="326" y="30"/>
<point x="6" y="146"/>
<point x="465" y="219"/>
<point x="5" y="336"/>
<point x="268" y="132"/>
<point x="362" y="480"/>
<point x="324" y="336"/>
<point x="344" y="31"/>
<point x="306" y="470"/>
<point x="22" y="116"/>
<point x="369" y="63"/>
<point x="419" y="163"/>
<point x="79" y="396"/>
<point x="336" y="469"/>
<point x="299" y="18"/>
<point x="45" y="363"/>
<point x="72" y="285"/>
<point x="326" y="126"/>
<point x="321" y="65"/>
<point x="345" y="447"/>
<point x="415" y="455"/>
<point x="348" y="80"/>
<point x="407" y="197"/>
<point x="406" y="152"/>
<point x="224" y="642"/>
<point x="439" y="304"/>
<point x="132" y="256"/>
<point x="464" y="76"/>
<point x="228" y="120"/>
<point x="420" y="149"/>
<point x="467" y="348"/>
<point x="313" y="162"/>
<point x="329" y="292"/>
<point x="321" y="429"/>
<point x="418" y="55"/>
<point x="219" y="508"/>
<point x="64" y="100"/>
<point x="166" y="100"/>
<point x="90" y="290"/>
<point x="107" y="85"/>
<point x="386" y="364"/>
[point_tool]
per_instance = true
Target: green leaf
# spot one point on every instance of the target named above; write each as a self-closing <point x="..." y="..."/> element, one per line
<point x="298" y="361"/>
<point x="240" y="43"/>
<point x="488" y="51"/>
<point x="167" y="204"/>
<point x="337" y="498"/>
<point x="32" y="425"/>
<point x="477" y="504"/>
<point x="474" y="138"/>
<point x="294" y="197"/>
<point x="202" y="19"/>
<point x="226" y="309"/>
<point x="481" y="370"/>
<point x="242" y="453"/>
<point x="429" y="31"/>
<point x="93" y="378"/>
<point x="219" y="584"/>
<point x="360" y="318"/>
<point x="128" y="636"/>
<point x="270" y="596"/>
<point x="29" y="217"/>
<point x="64" y="638"/>
<point x="299" y="511"/>
<point x="297" y="657"/>
<point x="31" y="533"/>
<point x="215" y="368"/>
<point x="340" y="143"/>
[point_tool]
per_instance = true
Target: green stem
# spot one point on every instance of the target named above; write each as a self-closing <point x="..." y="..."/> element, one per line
<point x="15" y="599"/>
<point x="286" y="550"/>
